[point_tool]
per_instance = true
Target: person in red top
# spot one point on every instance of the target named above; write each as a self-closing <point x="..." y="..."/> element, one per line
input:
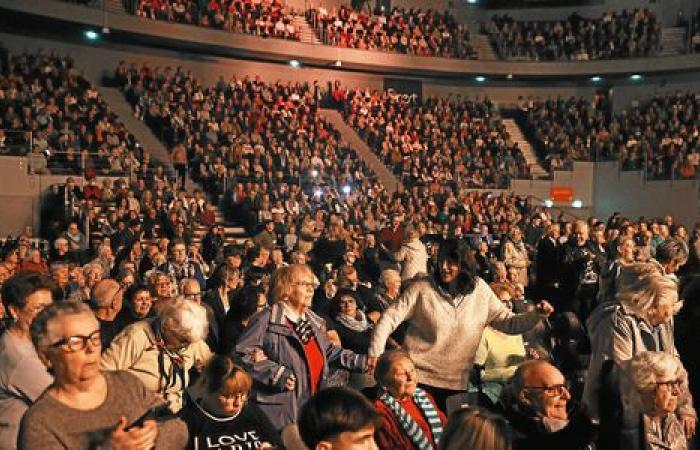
<point x="402" y="404"/>
<point x="392" y="237"/>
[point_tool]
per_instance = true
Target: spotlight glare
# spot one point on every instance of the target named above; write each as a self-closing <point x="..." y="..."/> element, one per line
<point x="548" y="203"/>
<point x="318" y="193"/>
<point x="577" y="204"/>
<point x="92" y="35"/>
<point x="294" y="63"/>
<point x="314" y="173"/>
<point x="596" y="79"/>
<point x="346" y="189"/>
<point x="480" y="79"/>
<point x="635" y="77"/>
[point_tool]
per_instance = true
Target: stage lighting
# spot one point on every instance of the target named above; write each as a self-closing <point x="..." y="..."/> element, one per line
<point x="548" y="203"/>
<point x="577" y="204"/>
<point x="295" y="63"/>
<point x="346" y="189"/>
<point x="92" y="35"/>
<point x="635" y="77"/>
<point x="480" y="79"/>
<point x="596" y="79"/>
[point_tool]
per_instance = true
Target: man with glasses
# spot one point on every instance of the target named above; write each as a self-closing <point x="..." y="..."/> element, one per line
<point x="541" y="411"/>
<point x="180" y="266"/>
<point x="106" y="302"/>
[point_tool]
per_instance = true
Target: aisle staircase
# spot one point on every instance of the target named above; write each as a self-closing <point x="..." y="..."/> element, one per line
<point x="516" y="135"/>
<point x="233" y="234"/>
<point x="483" y="48"/>
<point x="308" y="35"/>
<point x="363" y="151"/>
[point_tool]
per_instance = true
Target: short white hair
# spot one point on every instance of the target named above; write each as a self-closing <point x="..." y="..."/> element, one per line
<point x="649" y="368"/>
<point x="643" y="288"/>
<point x="185" y="319"/>
<point x="386" y="273"/>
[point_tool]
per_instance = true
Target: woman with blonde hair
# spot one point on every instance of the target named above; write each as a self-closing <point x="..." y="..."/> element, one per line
<point x="294" y="340"/>
<point x="476" y="429"/>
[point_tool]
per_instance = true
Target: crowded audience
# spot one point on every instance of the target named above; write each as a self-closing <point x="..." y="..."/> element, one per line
<point x="623" y="34"/>
<point x="658" y="136"/>
<point x="266" y="18"/>
<point x="399" y="30"/>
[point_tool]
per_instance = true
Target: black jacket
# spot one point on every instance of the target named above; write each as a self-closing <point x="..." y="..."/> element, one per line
<point x="530" y="434"/>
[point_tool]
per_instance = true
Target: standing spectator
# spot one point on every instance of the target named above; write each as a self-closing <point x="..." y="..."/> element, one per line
<point x="547" y="265"/>
<point x="516" y="256"/>
<point x="23" y="377"/>
<point x="294" y="339"/>
<point x="444" y="353"/>
<point x="179" y="160"/>
<point x="412" y="255"/>
<point x="180" y="266"/>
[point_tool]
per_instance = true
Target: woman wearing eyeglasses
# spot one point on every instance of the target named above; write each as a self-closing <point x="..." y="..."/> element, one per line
<point x="22" y="375"/>
<point x="222" y="415"/>
<point x="293" y="339"/>
<point x="86" y="407"/>
<point x="162" y="351"/>
<point x="657" y="378"/>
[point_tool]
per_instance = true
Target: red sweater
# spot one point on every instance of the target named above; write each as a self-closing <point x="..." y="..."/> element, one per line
<point x="391" y="435"/>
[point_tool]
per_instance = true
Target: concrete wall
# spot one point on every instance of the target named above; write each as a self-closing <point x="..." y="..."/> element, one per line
<point x="631" y="195"/>
<point x="603" y="189"/>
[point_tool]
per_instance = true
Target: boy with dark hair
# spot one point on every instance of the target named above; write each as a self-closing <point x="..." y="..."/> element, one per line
<point x="338" y="419"/>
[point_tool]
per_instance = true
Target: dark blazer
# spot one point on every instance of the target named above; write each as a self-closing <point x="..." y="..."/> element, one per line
<point x="268" y="330"/>
<point x="547" y="267"/>
<point x="213" y="300"/>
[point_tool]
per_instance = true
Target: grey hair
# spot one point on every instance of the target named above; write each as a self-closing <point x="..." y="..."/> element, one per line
<point x="672" y="250"/>
<point x="643" y="288"/>
<point x="386" y="273"/>
<point x="40" y="324"/>
<point x="647" y="369"/>
<point x="89" y="268"/>
<point x="185" y="318"/>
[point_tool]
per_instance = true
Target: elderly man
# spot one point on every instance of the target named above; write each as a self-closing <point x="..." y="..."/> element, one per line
<point x="106" y="302"/>
<point x="540" y="410"/>
<point x="180" y="266"/>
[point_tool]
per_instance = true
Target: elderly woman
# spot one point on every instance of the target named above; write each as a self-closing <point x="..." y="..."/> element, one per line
<point x="86" y="407"/>
<point x="222" y="410"/>
<point x="137" y="306"/>
<point x="388" y="293"/>
<point x="609" y="277"/>
<point x="162" y="351"/>
<point x="658" y="378"/>
<point x="410" y="417"/>
<point x="294" y="340"/>
<point x="22" y="375"/>
<point x="642" y="321"/>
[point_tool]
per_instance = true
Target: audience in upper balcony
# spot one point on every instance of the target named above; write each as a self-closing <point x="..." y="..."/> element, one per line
<point x="659" y="136"/>
<point x="72" y="126"/>
<point x="624" y="34"/>
<point x="265" y="18"/>
<point x="412" y="31"/>
<point x="446" y="141"/>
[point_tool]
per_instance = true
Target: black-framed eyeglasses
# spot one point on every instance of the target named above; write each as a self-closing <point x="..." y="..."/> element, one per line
<point x="556" y="390"/>
<point x="78" y="343"/>
<point x="673" y="385"/>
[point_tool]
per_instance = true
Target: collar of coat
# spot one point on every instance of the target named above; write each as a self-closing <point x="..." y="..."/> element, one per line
<point x="278" y="321"/>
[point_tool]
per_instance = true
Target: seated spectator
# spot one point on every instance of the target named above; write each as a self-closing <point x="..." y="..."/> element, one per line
<point x="23" y="377"/>
<point x="657" y="378"/>
<point x="410" y="417"/>
<point x="499" y="354"/>
<point x="412" y="255"/>
<point x="137" y="306"/>
<point x="338" y="418"/>
<point x="161" y="351"/>
<point x="106" y="303"/>
<point x="84" y="403"/>
<point x="475" y="429"/>
<point x="223" y="412"/>
<point x="539" y="410"/>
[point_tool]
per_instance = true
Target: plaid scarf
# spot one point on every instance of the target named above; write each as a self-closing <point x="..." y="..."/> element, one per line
<point x="410" y="427"/>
